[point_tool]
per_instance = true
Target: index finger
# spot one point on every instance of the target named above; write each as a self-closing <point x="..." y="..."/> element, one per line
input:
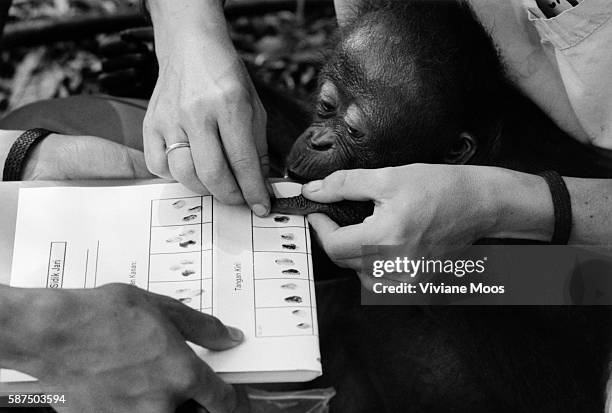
<point x="238" y="127"/>
<point x="200" y="328"/>
<point x="212" y="393"/>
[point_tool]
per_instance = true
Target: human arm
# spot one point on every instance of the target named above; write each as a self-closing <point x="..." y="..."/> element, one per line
<point x="424" y="207"/>
<point x="67" y="157"/>
<point x="204" y="96"/>
<point x="115" y="348"/>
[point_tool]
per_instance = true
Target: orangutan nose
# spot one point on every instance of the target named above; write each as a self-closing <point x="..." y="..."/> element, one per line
<point x="322" y="139"/>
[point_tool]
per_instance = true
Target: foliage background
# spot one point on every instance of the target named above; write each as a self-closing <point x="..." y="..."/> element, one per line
<point x="282" y="48"/>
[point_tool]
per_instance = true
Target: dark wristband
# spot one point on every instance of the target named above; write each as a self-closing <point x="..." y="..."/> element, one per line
<point x="562" y="205"/>
<point x="13" y="166"/>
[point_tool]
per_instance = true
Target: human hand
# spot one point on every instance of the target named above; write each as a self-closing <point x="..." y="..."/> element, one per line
<point x="422" y="208"/>
<point x="65" y="157"/>
<point x="204" y="97"/>
<point x="118" y="348"/>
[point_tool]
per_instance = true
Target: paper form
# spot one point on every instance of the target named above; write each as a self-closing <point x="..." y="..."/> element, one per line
<point x="250" y="272"/>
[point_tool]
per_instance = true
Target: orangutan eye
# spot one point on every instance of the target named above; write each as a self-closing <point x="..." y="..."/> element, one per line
<point x="353" y="133"/>
<point x="326" y="109"/>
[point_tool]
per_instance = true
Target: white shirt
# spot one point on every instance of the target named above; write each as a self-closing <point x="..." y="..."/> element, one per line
<point x="564" y="64"/>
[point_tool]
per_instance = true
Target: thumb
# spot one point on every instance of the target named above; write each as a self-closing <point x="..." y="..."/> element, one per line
<point x="200" y="328"/>
<point x="354" y="185"/>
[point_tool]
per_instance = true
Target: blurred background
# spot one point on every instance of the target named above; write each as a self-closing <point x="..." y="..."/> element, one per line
<point x="57" y="48"/>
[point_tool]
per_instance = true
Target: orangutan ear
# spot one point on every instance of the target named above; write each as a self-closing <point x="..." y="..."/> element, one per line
<point x="462" y="150"/>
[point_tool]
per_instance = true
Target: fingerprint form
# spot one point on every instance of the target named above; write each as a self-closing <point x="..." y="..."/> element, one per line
<point x="288" y="236"/>
<point x="190" y="218"/>
<point x="178" y="204"/>
<point x="289" y="286"/>
<point x="303" y="326"/>
<point x="282" y="219"/>
<point x="187" y="273"/>
<point x="186" y="244"/>
<point x="195" y="209"/>
<point x="284" y="261"/>
<point x="290" y="246"/>
<point x="291" y="271"/>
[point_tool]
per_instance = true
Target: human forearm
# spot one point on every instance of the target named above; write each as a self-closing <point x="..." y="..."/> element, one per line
<point x="524" y="209"/>
<point x="520" y="203"/>
<point x="177" y="22"/>
<point x="592" y="211"/>
<point x="66" y="157"/>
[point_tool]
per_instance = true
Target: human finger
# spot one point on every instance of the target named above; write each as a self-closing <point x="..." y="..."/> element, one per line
<point x="210" y="164"/>
<point x="155" y="153"/>
<point x="355" y="185"/>
<point x="212" y="392"/>
<point x="238" y="129"/>
<point x="340" y="243"/>
<point x="199" y="328"/>
<point x="182" y="169"/>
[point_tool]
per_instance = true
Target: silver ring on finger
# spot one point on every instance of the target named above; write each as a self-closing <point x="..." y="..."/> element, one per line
<point x="176" y="146"/>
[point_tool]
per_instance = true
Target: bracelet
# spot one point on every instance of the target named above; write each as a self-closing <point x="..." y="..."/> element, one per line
<point x="13" y="166"/>
<point x="562" y="206"/>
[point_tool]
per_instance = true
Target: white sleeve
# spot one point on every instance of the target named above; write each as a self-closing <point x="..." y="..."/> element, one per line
<point x="580" y="40"/>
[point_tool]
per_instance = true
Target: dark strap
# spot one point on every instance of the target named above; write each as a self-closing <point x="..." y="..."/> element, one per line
<point x="13" y="166"/>
<point x="562" y="205"/>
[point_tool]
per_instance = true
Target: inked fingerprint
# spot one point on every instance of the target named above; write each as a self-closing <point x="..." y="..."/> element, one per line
<point x="190" y="218"/>
<point x="281" y="218"/>
<point x="188" y="243"/>
<point x="303" y="326"/>
<point x="294" y="299"/>
<point x="185" y="300"/>
<point x="291" y="271"/>
<point x="299" y="313"/>
<point x="195" y="208"/>
<point x="189" y="292"/>
<point x="288" y="236"/>
<point x="284" y="261"/>
<point x="186" y="262"/>
<point x="289" y="286"/>
<point x="190" y="232"/>
<point x="187" y="273"/>
<point x="175" y="267"/>
<point x="173" y="239"/>
<point x="289" y="246"/>
<point x="178" y="204"/>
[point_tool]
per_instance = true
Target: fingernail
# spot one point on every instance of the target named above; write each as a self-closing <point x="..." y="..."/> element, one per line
<point x="235" y="334"/>
<point x="313" y="186"/>
<point x="260" y="210"/>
